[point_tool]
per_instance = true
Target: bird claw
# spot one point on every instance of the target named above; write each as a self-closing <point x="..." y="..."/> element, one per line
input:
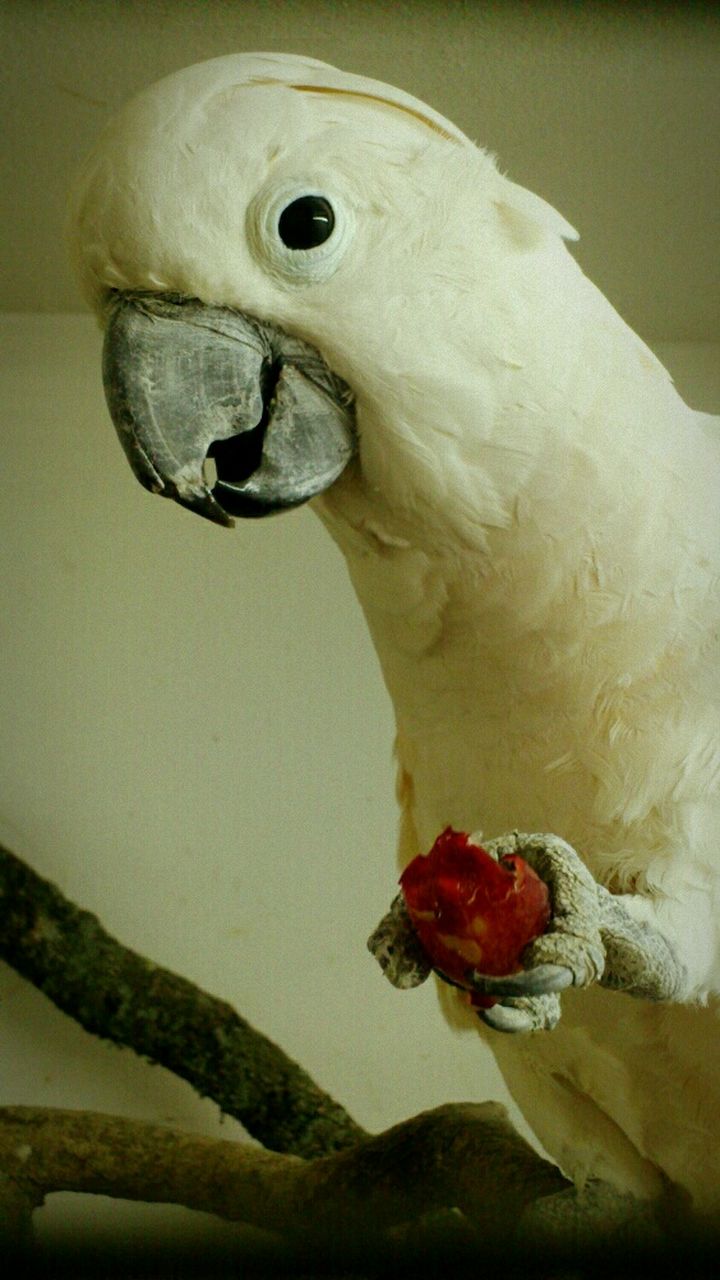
<point x="572" y="940"/>
<point x="541" y="980"/>
<point x="592" y="937"/>
<point x="397" y="948"/>
<point x="569" y="953"/>
<point x="530" y="1013"/>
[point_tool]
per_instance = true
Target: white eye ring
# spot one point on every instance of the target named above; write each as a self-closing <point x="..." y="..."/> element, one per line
<point x="300" y="266"/>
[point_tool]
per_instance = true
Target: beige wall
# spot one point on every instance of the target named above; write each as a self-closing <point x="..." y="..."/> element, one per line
<point x="197" y="746"/>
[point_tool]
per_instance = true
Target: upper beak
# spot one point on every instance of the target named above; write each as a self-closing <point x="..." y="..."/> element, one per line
<point x="186" y="382"/>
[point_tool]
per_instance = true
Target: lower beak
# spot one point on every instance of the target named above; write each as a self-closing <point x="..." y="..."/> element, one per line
<point x="186" y="383"/>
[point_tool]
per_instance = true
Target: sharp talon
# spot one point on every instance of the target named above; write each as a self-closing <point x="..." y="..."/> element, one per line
<point x="503" y="1018"/>
<point x="450" y="981"/>
<point x="542" y="980"/>
<point x="550" y="977"/>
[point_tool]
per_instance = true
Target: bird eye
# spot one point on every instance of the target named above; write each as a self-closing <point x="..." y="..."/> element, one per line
<point x="300" y="231"/>
<point x="306" y="222"/>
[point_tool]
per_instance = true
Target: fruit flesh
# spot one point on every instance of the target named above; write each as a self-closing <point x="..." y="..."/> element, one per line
<point x="472" y="912"/>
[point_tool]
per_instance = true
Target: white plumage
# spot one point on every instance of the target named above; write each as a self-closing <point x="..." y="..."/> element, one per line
<point x="531" y="527"/>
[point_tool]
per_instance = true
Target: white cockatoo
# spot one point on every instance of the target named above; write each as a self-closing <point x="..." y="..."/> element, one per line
<point x="319" y="283"/>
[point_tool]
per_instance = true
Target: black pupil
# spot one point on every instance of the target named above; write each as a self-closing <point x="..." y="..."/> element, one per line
<point x="306" y="222"/>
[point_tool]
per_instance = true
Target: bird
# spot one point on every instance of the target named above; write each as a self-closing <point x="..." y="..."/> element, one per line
<point x="316" y="289"/>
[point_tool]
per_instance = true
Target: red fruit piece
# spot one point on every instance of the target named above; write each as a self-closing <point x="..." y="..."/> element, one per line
<point x="471" y="911"/>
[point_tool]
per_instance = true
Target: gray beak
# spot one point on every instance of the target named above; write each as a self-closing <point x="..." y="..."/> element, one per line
<point x="186" y="382"/>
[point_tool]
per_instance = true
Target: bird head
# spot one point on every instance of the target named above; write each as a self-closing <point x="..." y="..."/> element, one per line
<point x="281" y="256"/>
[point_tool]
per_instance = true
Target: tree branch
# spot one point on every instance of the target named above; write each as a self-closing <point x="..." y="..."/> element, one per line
<point x="463" y="1155"/>
<point x="119" y="995"/>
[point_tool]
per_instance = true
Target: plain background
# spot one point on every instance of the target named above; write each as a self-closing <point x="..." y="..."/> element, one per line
<point x="196" y="743"/>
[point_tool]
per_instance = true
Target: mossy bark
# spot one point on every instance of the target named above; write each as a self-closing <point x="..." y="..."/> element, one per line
<point x="123" y="997"/>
